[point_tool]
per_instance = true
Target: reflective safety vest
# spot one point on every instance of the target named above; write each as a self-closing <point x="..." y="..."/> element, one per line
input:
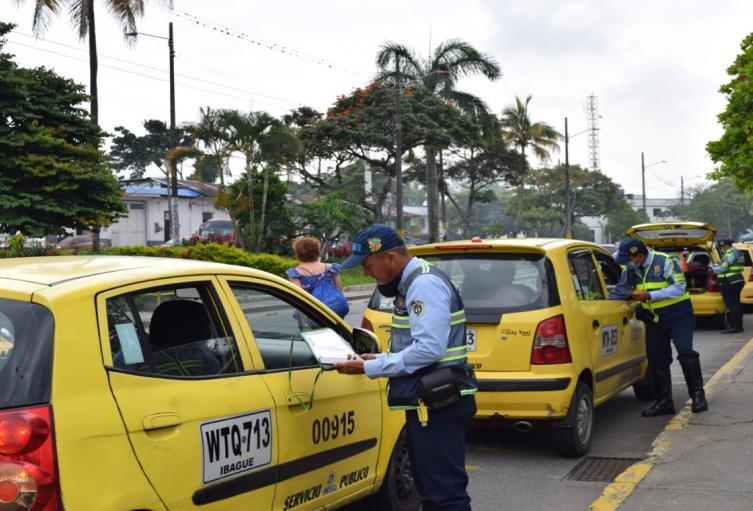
<point x="653" y="279"/>
<point x="734" y="263"/>
<point x="404" y="391"/>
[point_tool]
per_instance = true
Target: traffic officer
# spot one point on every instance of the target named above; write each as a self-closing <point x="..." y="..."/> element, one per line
<point x="730" y="274"/>
<point x="656" y="280"/>
<point x="426" y="363"/>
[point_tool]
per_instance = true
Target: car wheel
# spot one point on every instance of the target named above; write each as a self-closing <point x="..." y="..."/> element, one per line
<point x="398" y="491"/>
<point x="573" y="439"/>
<point x="644" y="389"/>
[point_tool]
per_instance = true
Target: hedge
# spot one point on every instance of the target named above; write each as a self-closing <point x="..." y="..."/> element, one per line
<point x="212" y="252"/>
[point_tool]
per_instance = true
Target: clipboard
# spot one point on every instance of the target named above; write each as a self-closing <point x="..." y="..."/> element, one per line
<point x="328" y="346"/>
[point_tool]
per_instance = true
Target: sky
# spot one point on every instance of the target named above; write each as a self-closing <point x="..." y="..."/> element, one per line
<point x="654" y="67"/>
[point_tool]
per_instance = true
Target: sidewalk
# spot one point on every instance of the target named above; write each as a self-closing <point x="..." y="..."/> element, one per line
<point x="361" y="292"/>
<point x="700" y="462"/>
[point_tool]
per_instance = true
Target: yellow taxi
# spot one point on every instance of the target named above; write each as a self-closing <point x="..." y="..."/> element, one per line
<point x="693" y="244"/>
<point x="746" y="295"/>
<point x="155" y="384"/>
<point x="546" y="342"/>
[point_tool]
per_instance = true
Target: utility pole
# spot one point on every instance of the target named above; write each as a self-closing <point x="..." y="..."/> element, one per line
<point x="643" y="183"/>
<point x="398" y="151"/>
<point x="682" y="192"/>
<point x="568" y="214"/>
<point x="174" y="224"/>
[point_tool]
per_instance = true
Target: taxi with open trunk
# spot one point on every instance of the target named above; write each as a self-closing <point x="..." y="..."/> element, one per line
<point x="154" y="384"/>
<point x="546" y="342"/>
<point x="692" y="243"/>
<point x="746" y="295"/>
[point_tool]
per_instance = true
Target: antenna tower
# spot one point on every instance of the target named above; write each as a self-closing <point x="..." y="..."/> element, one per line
<point x="592" y="113"/>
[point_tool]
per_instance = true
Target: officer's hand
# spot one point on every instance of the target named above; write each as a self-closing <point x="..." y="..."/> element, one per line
<point x="641" y="296"/>
<point x="354" y="366"/>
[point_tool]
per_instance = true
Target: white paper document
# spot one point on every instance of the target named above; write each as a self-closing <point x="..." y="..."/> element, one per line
<point x="328" y="347"/>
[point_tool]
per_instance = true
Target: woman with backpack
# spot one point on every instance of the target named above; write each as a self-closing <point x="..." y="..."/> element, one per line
<point x="320" y="279"/>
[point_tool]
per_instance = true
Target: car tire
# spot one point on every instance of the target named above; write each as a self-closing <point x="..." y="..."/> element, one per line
<point x="573" y="438"/>
<point x="398" y="491"/>
<point x="644" y="389"/>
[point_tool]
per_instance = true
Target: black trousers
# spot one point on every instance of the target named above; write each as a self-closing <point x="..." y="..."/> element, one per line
<point x="437" y="455"/>
<point x="731" y="295"/>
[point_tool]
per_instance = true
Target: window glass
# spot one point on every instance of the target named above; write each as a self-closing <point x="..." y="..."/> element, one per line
<point x="584" y="275"/>
<point x="172" y="331"/>
<point x="609" y="269"/>
<point x="276" y="325"/>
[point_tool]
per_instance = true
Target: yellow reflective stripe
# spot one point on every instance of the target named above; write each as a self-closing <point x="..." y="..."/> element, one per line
<point x="670" y="301"/>
<point x="457" y="322"/>
<point x="398" y="408"/>
<point x="450" y="359"/>
<point x="465" y="392"/>
<point x="394" y="325"/>
<point x="461" y="312"/>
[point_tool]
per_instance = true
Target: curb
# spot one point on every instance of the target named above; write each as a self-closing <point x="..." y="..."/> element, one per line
<point x="615" y="494"/>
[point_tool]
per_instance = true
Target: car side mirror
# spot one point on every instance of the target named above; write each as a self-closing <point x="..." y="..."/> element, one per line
<point x="364" y="341"/>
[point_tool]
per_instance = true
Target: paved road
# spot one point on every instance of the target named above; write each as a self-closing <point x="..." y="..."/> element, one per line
<point x="512" y="470"/>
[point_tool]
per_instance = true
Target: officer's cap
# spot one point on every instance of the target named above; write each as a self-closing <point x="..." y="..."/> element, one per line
<point x="629" y="247"/>
<point x="372" y="240"/>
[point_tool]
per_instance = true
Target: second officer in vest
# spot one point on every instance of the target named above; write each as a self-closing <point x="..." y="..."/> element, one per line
<point x="426" y="363"/>
<point x="658" y="283"/>
<point x="730" y="274"/>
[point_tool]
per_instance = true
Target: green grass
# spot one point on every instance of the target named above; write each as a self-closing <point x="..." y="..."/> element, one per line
<point x="355" y="277"/>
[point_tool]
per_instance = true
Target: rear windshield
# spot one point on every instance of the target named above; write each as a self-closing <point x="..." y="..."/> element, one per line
<point x="494" y="284"/>
<point x="659" y="234"/>
<point x="25" y="353"/>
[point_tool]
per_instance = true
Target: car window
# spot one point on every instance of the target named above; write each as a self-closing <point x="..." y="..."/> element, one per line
<point x="584" y="275"/>
<point x="609" y="269"/>
<point x="276" y="322"/>
<point x="26" y="334"/>
<point x="171" y="331"/>
<point x="492" y="284"/>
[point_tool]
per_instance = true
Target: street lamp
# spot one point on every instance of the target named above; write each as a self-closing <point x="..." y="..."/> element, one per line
<point x="643" y="178"/>
<point x="174" y="225"/>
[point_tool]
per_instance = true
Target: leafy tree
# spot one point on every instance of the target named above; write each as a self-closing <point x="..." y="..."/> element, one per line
<point x="733" y="152"/>
<point x="279" y="230"/>
<point x="520" y="131"/>
<point x="134" y="153"/>
<point x="261" y="139"/>
<point x="82" y="17"/>
<point x="721" y="204"/>
<point x="52" y="174"/>
<point x="438" y="74"/>
<point x="620" y="218"/>
<point x="361" y="126"/>
<point x="595" y="194"/>
<point x="332" y="215"/>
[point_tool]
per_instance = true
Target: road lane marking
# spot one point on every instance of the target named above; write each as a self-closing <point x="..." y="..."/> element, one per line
<point x="617" y="492"/>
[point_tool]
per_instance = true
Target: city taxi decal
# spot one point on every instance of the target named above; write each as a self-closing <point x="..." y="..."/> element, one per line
<point x="236" y="444"/>
<point x="314" y="492"/>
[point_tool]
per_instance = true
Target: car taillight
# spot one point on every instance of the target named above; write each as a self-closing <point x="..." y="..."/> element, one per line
<point x="712" y="284"/>
<point x="367" y="325"/>
<point x="550" y="342"/>
<point x="28" y="470"/>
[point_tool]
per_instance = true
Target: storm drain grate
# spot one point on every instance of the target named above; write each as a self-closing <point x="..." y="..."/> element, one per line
<point x="600" y="469"/>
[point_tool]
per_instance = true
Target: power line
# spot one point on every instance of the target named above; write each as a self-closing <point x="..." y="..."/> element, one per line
<point x="160" y="70"/>
<point x="250" y="100"/>
<point x="227" y="31"/>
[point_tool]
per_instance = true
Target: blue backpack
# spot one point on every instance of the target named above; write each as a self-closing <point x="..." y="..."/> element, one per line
<point x="325" y="290"/>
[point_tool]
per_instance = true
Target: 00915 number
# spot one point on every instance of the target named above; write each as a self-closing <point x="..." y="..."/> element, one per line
<point x="329" y="428"/>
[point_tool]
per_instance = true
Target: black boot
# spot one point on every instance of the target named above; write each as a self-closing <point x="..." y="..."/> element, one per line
<point x="691" y="369"/>
<point x="663" y="391"/>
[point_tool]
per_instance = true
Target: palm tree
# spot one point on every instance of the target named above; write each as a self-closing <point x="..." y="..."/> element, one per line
<point x="519" y="131"/>
<point x="82" y="16"/>
<point x="213" y="132"/>
<point x="261" y="138"/>
<point x="439" y="74"/>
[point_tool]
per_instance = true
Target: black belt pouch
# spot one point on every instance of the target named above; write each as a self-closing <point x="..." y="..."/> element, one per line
<point x="439" y="388"/>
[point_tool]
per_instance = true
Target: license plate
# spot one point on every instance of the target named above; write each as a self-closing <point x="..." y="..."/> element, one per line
<point x="470" y="339"/>
<point x="236" y="444"/>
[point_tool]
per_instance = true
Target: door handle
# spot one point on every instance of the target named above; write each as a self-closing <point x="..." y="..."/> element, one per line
<point x="596" y="323"/>
<point x="161" y="420"/>
<point x="299" y="399"/>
